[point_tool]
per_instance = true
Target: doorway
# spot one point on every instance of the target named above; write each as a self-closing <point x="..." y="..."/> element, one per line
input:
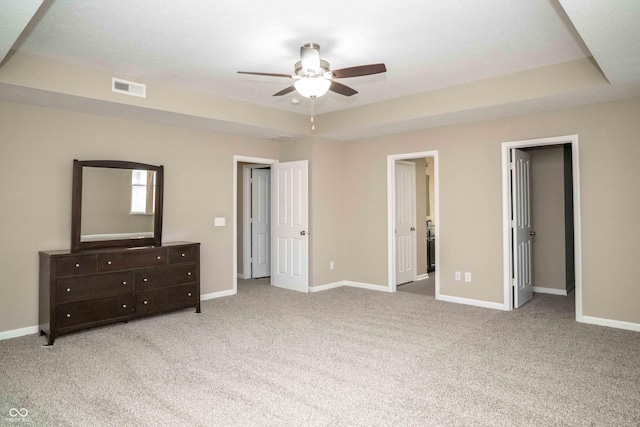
<point x="420" y="234"/>
<point x="289" y="227"/>
<point x="256" y="221"/>
<point x="571" y="202"/>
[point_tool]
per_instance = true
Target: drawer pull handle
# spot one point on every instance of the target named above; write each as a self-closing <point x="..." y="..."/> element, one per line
<point x="68" y="314"/>
<point x="68" y="289"/>
<point x="124" y="305"/>
<point x="189" y="294"/>
<point x="124" y="283"/>
<point x="145" y="303"/>
<point x="144" y="280"/>
<point x="158" y="257"/>
<point x="181" y="254"/>
<point x="77" y="265"/>
<point x="189" y="274"/>
<point x="109" y="262"/>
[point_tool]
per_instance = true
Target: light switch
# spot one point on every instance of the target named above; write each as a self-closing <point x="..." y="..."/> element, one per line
<point x="219" y="222"/>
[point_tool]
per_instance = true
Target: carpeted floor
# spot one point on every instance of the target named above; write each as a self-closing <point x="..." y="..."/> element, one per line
<point x="340" y="357"/>
<point x="421" y="287"/>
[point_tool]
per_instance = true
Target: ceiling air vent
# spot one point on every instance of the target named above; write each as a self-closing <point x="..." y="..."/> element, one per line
<point x="129" y="88"/>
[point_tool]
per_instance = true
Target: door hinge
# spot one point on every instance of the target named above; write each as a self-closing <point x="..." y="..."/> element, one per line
<point x="513" y="223"/>
<point x="250" y="220"/>
<point x="513" y="282"/>
<point x="512" y="165"/>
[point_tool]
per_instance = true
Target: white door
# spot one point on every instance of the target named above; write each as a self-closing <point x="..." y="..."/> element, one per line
<point x="260" y="223"/>
<point x="521" y="227"/>
<point x="405" y="222"/>
<point x="290" y="225"/>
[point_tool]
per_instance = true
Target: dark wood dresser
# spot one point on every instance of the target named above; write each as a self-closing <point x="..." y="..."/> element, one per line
<point x="80" y="290"/>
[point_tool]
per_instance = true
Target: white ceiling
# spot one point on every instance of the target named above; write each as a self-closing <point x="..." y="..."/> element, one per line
<point x="426" y="45"/>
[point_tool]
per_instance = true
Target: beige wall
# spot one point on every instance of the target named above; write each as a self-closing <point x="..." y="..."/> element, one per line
<point x="471" y="202"/>
<point x="37" y="148"/>
<point x="430" y="172"/>
<point x="348" y="203"/>
<point x="547" y="217"/>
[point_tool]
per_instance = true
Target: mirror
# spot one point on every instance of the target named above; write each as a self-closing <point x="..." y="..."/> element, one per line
<point x="116" y="203"/>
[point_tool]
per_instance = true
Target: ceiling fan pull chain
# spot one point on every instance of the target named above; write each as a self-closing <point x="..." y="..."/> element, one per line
<point x="313" y="112"/>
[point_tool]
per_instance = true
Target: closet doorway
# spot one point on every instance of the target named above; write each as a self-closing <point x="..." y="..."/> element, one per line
<point x="412" y="211"/>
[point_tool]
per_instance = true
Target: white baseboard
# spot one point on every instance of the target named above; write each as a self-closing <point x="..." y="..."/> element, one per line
<point x="422" y="277"/>
<point x="348" y="283"/>
<point x="241" y="276"/>
<point x="327" y="286"/>
<point x="15" y="333"/>
<point x="369" y="286"/>
<point x="551" y="291"/>
<point x="611" y="323"/>
<point x="474" y="302"/>
<point x="220" y="294"/>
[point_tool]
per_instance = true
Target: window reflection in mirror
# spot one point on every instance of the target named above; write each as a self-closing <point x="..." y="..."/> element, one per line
<point x="117" y="204"/>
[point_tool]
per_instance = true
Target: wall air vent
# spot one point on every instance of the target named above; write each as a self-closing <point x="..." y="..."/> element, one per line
<point x="128" y="88"/>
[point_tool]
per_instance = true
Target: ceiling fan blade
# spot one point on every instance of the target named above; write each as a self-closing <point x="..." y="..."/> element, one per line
<point x="265" y="74"/>
<point x="342" y="89"/>
<point x="285" y="91"/>
<point x="362" y="70"/>
<point x="310" y="57"/>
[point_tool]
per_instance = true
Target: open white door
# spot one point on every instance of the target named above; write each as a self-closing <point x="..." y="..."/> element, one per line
<point x="521" y="226"/>
<point x="405" y="222"/>
<point x="290" y="225"/>
<point x="260" y="223"/>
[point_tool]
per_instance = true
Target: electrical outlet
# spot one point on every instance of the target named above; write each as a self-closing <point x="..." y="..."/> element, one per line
<point x="219" y="222"/>
<point x="458" y="275"/>
<point x="331" y="265"/>
<point x="467" y="277"/>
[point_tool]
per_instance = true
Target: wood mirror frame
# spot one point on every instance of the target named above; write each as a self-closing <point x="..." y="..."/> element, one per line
<point x="76" y="209"/>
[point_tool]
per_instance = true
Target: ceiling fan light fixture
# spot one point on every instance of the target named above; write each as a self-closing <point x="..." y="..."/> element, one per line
<point x="312" y="87"/>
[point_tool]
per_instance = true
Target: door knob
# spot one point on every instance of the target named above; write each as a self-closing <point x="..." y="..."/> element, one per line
<point x="303" y="233"/>
<point x="532" y="233"/>
<point x="413" y="229"/>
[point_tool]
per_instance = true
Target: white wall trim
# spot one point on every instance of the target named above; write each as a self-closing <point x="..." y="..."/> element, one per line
<point x="391" y="198"/>
<point x="219" y="294"/>
<point x="611" y="323"/>
<point x="15" y="333"/>
<point x="327" y="286"/>
<point x="378" y="288"/>
<point x="236" y="159"/>
<point x="550" y="291"/>
<point x="473" y="302"/>
<point x="506" y="203"/>
<point x="422" y="277"/>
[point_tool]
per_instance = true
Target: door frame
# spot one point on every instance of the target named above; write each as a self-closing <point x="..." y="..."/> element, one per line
<point x="236" y="160"/>
<point x="506" y="217"/>
<point x="391" y="207"/>
<point x="246" y="217"/>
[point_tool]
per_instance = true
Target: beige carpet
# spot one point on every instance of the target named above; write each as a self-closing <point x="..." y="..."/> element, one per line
<point x="421" y="287"/>
<point x="340" y="357"/>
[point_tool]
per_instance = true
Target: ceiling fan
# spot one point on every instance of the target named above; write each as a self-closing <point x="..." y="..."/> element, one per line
<point x="314" y="77"/>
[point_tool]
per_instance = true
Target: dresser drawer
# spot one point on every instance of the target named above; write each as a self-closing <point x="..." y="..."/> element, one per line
<point x="78" y="313"/>
<point x="166" y="277"/>
<point x="94" y="287"/>
<point x="132" y="259"/>
<point x="76" y="265"/>
<point x="180" y="254"/>
<point x="161" y="300"/>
